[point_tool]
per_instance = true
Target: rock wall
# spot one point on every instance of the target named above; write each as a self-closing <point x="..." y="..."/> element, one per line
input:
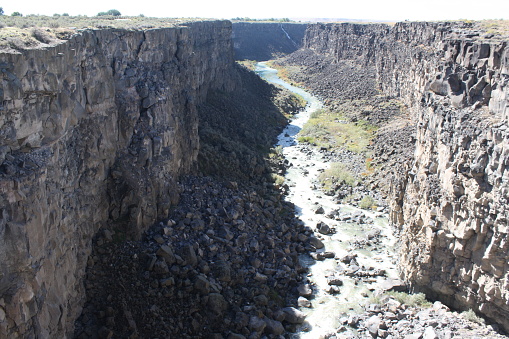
<point x="264" y="41"/>
<point x="93" y="130"/>
<point x="450" y="201"/>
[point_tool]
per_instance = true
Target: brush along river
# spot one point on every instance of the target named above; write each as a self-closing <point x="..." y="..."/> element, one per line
<point x="356" y="260"/>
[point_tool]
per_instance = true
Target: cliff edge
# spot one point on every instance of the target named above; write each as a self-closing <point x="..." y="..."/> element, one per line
<point x="93" y="130"/>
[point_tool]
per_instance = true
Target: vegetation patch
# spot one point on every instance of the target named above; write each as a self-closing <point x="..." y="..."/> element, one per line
<point x="44" y="36"/>
<point x="332" y="129"/>
<point x="412" y="300"/>
<point x="336" y="175"/>
<point x="307" y="140"/>
<point x="471" y="316"/>
<point x="497" y="28"/>
<point x="367" y="202"/>
<point x="287" y="73"/>
<point x="249" y="64"/>
<point x="277" y="179"/>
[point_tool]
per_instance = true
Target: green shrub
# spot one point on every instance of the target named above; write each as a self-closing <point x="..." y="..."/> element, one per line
<point x="306" y="139"/>
<point x="278" y="150"/>
<point x="277" y="179"/>
<point x="413" y="300"/>
<point x="330" y="127"/>
<point x="471" y="316"/>
<point x="316" y="113"/>
<point x="112" y="12"/>
<point x="367" y="202"/>
<point x="336" y="174"/>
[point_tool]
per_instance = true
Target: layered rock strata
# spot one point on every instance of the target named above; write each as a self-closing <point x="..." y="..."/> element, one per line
<point x="94" y="129"/>
<point x="450" y="200"/>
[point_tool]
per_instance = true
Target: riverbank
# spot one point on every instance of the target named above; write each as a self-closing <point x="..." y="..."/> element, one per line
<point x="354" y="256"/>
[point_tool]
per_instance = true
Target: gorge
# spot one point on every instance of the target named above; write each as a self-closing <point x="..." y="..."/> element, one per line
<point x="96" y="133"/>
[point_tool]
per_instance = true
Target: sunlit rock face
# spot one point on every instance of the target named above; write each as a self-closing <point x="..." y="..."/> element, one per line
<point x="450" y="199"/>
<point x="93" y="131"/>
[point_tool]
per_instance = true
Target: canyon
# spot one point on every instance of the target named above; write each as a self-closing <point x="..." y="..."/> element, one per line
<point x="96" y="132"/>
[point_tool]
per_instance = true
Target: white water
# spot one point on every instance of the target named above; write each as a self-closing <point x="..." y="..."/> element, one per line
<point x="301" y="176"/>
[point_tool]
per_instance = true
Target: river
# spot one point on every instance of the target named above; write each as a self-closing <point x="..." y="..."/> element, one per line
<point x="361" y="233"/>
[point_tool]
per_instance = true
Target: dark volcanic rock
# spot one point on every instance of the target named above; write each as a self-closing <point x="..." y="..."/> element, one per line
<point x="226" y="290"/>
<point x="265" y="41"/>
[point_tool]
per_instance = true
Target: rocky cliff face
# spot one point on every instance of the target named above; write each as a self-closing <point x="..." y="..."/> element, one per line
<point x="265" y="41"/>
<point x="450" y="200"/>
<point x="94" y="130"/>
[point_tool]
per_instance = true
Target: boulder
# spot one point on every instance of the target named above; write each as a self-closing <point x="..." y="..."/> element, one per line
<point x="274" y="327"/>
<point x="319" y="210"/>
<point x="166" y="253"/>
<point x="256" y="324"/>
<point x="293" y="315"/>
<point x="373" y="325"/>
<point x="336" y="281"/>
<point x="216" y="303"/>
<point x="323" y="228"/>
<point x="305" y="290"/>
<point x="317" y="243"/>
<point x="303" y="302"/>
<point x="202" y="285"/>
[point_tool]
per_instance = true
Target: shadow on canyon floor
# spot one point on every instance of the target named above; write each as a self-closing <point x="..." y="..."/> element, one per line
<point x="225" y="261"/>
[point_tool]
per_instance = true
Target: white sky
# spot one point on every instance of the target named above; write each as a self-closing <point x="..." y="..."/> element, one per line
<point x="396" y="10"/>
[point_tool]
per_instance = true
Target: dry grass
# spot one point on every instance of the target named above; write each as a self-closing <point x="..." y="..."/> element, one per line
<point x="336" y="174"/>
<point x="249" y="64"/>
<point x="17" y="33"/>
<point x="499" y="28"/>
<point x="331" y="129"/>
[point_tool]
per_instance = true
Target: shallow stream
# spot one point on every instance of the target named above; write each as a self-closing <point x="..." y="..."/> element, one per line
<point x="363" y="233"/>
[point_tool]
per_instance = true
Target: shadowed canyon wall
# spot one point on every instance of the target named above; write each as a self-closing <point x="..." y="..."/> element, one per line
<point x="97" y="128"/>
<point x="265" y="41"/>
<point x="450" y="201"/>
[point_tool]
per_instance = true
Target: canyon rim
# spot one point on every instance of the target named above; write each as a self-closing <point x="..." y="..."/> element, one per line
<point x="97" y="130"/>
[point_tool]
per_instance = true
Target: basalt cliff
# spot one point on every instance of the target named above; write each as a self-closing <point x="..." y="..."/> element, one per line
<point x="266" y="41"/>
<point x="448" y="187"/>
<point x="96" y="131"/>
